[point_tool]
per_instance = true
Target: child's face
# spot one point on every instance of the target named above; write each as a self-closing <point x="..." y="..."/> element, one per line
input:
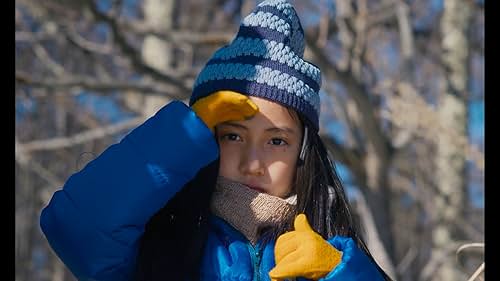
<point x="261" y="152"/>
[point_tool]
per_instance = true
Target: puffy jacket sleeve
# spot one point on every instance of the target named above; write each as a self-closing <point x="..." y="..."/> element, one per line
<point x="355" y="264"/>
<point x="95" y="221"/>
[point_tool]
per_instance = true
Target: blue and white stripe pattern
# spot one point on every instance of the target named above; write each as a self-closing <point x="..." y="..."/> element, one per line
<point x="261" y="75"/>
<point x="266" y="60"/>
<point x="268" y="50"/>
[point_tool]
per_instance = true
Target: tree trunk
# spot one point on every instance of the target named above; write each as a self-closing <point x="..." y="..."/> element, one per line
<point x="450" y="156"/>
<point x="156" y="52"/>
<point x="379" y="194"/>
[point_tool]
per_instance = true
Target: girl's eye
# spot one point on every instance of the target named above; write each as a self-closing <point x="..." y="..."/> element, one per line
<point x="277" y="141"/>
<point x="231" y="137"/>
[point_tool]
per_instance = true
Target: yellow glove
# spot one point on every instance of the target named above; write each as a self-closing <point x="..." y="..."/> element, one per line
<point x="223" y="106"/>
<point x="303" y="253"/>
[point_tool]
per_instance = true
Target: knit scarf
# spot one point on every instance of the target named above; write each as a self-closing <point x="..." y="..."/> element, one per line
<point x="248" y="210"/>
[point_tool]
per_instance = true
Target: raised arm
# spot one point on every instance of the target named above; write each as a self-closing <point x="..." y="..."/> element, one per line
<point x="95" y="221"/>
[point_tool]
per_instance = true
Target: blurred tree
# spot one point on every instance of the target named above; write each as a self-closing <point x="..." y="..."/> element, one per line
<point x="450" y="151"/>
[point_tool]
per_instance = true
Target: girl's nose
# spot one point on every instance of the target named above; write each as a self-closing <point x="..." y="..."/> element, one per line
<point x="252" y="162"/>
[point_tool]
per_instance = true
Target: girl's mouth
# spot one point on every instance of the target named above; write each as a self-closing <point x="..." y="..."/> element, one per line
<point x="256" y="188"/>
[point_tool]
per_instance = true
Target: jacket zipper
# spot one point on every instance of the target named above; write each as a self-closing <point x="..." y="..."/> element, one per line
<point x="256" y="257"/>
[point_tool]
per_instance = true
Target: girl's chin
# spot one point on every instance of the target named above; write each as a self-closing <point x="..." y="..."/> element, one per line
<point x="256" y="188"/>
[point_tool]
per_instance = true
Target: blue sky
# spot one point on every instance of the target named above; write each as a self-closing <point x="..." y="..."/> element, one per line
<point x="104" y="107"/>
<point x="476" y="121"/>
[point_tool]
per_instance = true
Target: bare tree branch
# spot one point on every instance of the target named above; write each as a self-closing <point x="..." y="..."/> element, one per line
<point x="63" y="142"/>
<point x="87" y="45"/>
<point x="178" y="36"/>
<point x="350" y="116"/>
<point x="405" y="31"/>
<point x="381" y="14"/>
<point x="438" y="257"/>
<point x="357" y="91"/>
<point x="323" y="24"/>
<point x="24" y="160"/>
<point x="469" y="246"/>
<point x="409" y="257"/>
<point x="476" y="274"/>
<point x="42" y="54"/>
<point x="26" y="36"/>
<point x="349" y="157"/>
<point x="132" y="53"/>
<point x="373" y="239"/>
<point x="100" y="86"/>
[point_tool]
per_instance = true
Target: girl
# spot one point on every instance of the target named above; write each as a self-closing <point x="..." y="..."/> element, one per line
<point x="237" y="186"/>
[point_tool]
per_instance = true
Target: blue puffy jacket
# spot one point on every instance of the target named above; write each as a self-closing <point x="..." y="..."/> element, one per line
<point x="95" y="221"/>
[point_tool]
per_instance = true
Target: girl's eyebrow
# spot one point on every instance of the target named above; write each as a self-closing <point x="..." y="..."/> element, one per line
<point x="281" y="129"/>
<point x="231" y="124"/>
<point x="271" y="129"/>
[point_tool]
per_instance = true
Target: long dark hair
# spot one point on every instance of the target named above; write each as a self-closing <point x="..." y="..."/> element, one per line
<point x="321" y="195"/>
<point x="174" y="238"/>
<point x="173" y="242"/>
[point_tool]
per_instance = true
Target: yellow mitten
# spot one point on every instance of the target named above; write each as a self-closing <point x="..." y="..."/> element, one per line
<point x="303" y="253"/>
<point x="224" y="106"/>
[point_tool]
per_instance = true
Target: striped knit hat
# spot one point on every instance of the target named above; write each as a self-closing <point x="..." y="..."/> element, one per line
<point x="266" y="60"/>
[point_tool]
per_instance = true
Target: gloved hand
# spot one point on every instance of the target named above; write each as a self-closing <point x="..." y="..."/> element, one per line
<point x="355" y="265"/>
<point x="223" y="106"/>
<point x="303" y="253"/>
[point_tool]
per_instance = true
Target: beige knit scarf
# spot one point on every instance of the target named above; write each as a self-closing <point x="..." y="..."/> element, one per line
<point x="248" y="210"/>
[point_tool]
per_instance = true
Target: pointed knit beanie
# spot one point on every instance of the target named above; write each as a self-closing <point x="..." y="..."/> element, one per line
<point x="265" y="60"/>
